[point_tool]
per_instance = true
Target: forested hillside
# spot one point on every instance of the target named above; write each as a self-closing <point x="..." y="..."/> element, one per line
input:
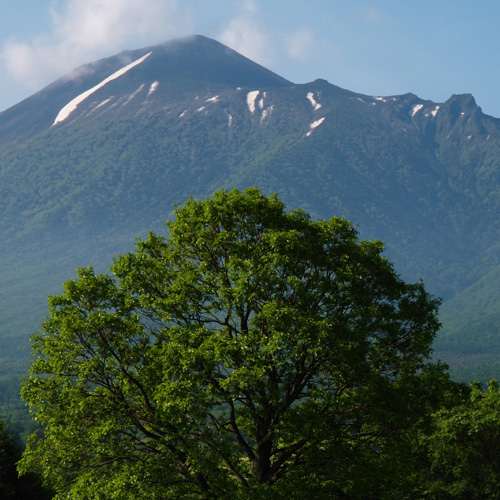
<point x="98" y="158"/>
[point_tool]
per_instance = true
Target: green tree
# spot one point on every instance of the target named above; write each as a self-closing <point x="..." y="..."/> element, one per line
<point x="9" y="455"/>
<point x="12" y="487"/>
<point x="254" y="353"/>
<point x="464" y="447"/>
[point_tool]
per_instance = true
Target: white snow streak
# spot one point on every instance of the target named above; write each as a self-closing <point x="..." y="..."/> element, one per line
<point x="261" y="100"/>
<point x="153" y="87"/>
<point x="103" y="103"/>
<point x="434" y="111"/>
<point x="213" y="99"/>
<point x="266" y="113"/>
<point x="251" y="97"/>
<point x="100" y="105"/>
<point x="416" y="109"/>
<point x="317" y="123"/>
<point x="314" y="125"/>
<point x="314" y="104"/>
<point x="72" y="105"/>
<point x="131" y="96"/>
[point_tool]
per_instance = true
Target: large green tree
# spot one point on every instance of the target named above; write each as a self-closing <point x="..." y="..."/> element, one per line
<point x="252" y="353"/>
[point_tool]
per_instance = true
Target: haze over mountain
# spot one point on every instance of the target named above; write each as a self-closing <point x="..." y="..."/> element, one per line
<point x="99" y="157"/>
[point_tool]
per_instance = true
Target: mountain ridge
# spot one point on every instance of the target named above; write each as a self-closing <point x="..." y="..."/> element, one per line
<point x="205" y="56"/>
<point x="419" y="175"/>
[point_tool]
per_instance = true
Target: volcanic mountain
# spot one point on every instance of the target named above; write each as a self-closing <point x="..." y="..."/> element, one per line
<point x="98" y="158"/>
<point x="184" y="64"/>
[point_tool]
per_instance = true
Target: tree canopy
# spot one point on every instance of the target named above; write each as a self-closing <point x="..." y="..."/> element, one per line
<point x="251" y="353"/>
<point x="464" y="447"/>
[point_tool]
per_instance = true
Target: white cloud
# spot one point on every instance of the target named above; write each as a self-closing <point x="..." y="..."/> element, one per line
<point x="249" y="6"/>
<point x="298" y="45"/>
<point x="83" y="30"/>
<point x="246" y="35"/>
<point x="251" y="33"/>
<point x="372" y="15"/>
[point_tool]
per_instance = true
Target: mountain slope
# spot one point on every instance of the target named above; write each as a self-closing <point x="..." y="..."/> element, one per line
<point x="98" y="158"/>
<point x="180" y="65"/>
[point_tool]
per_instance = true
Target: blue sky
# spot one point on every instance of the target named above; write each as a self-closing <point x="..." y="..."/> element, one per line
<point x="433" y="48"/>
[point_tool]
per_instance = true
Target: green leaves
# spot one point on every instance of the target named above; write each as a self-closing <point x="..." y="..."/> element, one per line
<point x="248" y="350"/>
<point x="463" y="447"/>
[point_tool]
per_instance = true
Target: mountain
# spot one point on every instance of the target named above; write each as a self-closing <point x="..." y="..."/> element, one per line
<point x="184" y="64"/>
<point x="98" y="158"/>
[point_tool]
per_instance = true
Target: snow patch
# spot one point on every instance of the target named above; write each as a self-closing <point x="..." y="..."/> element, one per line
<point x="183" y="113"/>
<point x="261" y="100"/>
<point x="73" y="104"/>
<point x="131" y="96"/>
<point x="251" y="97"/>
<point x="266" y="113"/>
<point x="153" y="87"/>
<point x="435" y="111"/>
<point x="317" y="123"/>
<point x="416" y="109"/>
<point x="314" y="104"/>
<point x="314" y="125"/>
<point x="380" y="99"/>
<point x="103" y="103"/>
<point x="213" y="99"/>
<point x="199" y="110"/>
<point x="230" y="120"/>
<point x="97" y="106"/>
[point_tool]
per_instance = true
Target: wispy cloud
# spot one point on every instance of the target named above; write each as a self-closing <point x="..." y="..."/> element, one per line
<point x="298" y="44"/>
<point x="372" y="15"/>
<point x="83" y="30"/>
<point x="247" y="35"/>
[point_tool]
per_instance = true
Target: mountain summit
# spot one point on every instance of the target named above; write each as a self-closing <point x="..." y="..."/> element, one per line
<point x="178" y="66"/>
<point x="99" y="157"/>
